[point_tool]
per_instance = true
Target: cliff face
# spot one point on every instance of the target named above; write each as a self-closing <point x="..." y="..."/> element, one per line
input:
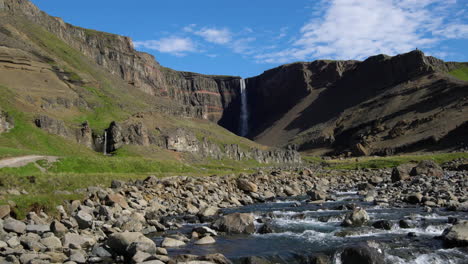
<point x="201" y="96"/>
<point x="382" y="105"/>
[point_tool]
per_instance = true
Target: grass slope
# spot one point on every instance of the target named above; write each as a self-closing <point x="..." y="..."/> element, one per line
<point x="460" y="73"/>
<point x="384" y="162"/>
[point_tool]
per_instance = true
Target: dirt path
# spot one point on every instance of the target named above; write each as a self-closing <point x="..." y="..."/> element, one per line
<point x="24" y="160"/>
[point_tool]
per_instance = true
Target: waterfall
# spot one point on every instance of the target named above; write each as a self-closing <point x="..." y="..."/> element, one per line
<point x="244" y="111"/>
<point x="104" y="148"/>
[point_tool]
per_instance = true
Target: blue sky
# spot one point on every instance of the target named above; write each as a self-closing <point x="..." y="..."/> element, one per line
<point x="246" y="38"/>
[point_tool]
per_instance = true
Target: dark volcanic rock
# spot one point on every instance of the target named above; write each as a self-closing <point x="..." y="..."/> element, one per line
<point x="362" y="254"/>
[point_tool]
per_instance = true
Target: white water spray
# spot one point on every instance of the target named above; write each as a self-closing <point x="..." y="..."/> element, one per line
<point x="104" y="148"/>
<point x="244" y="113"/>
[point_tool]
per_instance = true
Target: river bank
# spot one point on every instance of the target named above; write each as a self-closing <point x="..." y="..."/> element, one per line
<point x="115" y="224"/>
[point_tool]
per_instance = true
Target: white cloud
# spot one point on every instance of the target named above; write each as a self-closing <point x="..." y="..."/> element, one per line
<point x="214" y="35"/>
<point x="355" y="29"/>
<point x="454" y="31"/>
<point x="189" y="28"/>
<point x="242" y="46"/>
<point x="173" y="45"/>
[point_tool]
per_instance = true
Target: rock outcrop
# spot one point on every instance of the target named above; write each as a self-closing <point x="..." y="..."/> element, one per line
<point x="6" y="122"/>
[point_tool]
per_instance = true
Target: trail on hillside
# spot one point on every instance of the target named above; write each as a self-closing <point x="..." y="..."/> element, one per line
<point x="17" y="162"/>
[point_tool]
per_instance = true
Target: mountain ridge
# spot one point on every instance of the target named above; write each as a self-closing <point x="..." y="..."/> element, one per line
<point x="283" y="101"/>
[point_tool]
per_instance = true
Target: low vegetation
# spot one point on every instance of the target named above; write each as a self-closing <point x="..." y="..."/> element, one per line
<point x="384" y="162"/>
<point x="461" y="73"/>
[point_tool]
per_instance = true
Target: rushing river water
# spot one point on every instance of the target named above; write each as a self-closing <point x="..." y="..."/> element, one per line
<point x="304" y="229"/>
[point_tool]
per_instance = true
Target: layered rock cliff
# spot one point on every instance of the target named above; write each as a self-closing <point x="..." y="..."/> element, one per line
<point x="201" y="96"/>
<point x="382" y="105"/>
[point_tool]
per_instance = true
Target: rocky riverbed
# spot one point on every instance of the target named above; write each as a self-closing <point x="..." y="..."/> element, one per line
<point x="362" y="216"/>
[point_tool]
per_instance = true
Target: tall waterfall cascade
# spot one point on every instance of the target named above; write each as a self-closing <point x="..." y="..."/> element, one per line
<point x="244" y="110"/>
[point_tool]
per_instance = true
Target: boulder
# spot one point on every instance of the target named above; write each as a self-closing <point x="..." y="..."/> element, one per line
<point x="414" y="198"/>
<point x="405" y="224"/>
<point x="237" y="223"/>
<point x="38" y="229"/>
<point x="429" y="168"/>
<point x="203" y="230"/>
<point x="208" y="240"/>
<point x="383" y="224"/>
<point x="12" y="225"/>
<point x="84" y="219"/>
<point x="401" y="173"/>
<point x="316" y="195"/>
<point x="362" y="254"/>
<point x="208" y="211"/>
<point x="52" y="243"/>
<point x="58" y="228"/>
<point x="78" y="241"/>
<point x="358" y="217"/>
<point x="456" y="235"/>
<point x="118" y="199"/>
<point x="4" y="211"/>
<point x="246" y="185"/>
<point x="119" y="242"/>
<point x="266" y="229"/>
<point x="171" y="242"/>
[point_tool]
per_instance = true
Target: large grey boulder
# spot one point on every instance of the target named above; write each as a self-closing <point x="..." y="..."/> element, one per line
<point x="84" y="219"/>
<point x="457" y="235"/>
<point x="358" y="217"/>
<point x="429" y="168"/>
<point x="119" y="242"/>
<point x="13" y="225"/>
<point x="237" y="223"/>
<point x="38" y="229"/>
<point x="79" y="241"/>
<point x="52" y="243"/>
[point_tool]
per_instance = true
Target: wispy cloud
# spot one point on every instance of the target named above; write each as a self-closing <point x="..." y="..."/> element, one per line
<point x="178" y="46"/>
<point x="355" y="29"/>
<point x="214" y="35"/>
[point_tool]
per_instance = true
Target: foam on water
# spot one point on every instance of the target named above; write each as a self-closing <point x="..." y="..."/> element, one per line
<point x="441" y="256"/>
